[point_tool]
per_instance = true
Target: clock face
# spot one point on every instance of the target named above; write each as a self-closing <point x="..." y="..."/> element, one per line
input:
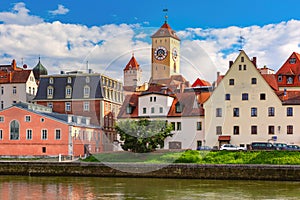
<point x="174" y="54"/>
<point x="160" y="53"/>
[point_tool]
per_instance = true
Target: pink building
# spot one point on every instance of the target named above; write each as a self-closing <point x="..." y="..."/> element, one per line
<point x="34" y="130"/>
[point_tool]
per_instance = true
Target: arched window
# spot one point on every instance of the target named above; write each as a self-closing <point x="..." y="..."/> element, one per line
<point x="68" y="91"/>
<point x="50" y="91"/>
<point x="69" y="80"/>
<point x="14" y="130"/>
<point x="86" y="91"/>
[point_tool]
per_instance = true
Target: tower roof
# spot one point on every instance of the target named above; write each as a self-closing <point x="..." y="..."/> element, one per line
<point x="132" y="64"/>
<point x="165" y="31"/>
<point x="39" y="69"/>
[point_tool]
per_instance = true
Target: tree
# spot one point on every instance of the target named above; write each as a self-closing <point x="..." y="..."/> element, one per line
<point x="141" y="136"/>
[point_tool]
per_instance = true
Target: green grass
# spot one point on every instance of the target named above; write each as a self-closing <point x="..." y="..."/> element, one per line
<point x="202" y="157"/>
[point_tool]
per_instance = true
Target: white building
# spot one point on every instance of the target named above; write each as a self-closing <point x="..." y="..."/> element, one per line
<point x="247" y="106"/>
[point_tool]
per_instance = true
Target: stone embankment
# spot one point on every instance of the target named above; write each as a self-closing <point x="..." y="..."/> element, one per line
<point x="187" y="171"/>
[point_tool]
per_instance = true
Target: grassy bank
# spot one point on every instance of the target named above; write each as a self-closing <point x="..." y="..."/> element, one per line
<point x="203" y="157"/>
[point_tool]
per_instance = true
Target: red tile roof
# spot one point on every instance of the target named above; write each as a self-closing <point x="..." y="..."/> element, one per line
<point x="132" y="64"/>
<point x="271" y="80"/>
<point x="165" y="31"/>
<point x="199" y="82"/>
<point x="20" y="76"/>
<point x="289" y="97"/>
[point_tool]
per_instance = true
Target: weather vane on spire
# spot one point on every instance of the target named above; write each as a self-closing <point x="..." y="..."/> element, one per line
<point x="166" y="14"/>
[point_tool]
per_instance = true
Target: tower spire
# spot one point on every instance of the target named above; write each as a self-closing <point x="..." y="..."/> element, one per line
<point x="166" y="15"/>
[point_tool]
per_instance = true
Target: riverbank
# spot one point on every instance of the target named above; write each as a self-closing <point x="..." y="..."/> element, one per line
<point x="179" y="171"/>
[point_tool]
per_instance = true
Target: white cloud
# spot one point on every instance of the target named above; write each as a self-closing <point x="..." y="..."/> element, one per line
<point x="19" y="15"/>
<point x="61" y="10"/>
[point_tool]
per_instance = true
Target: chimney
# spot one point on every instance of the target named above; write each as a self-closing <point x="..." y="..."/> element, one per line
<point x="14" y="65"/>
<point x="218" y="75"/>
<point x="62" y="72"/>
<point x="254" y="61"/>
<point x="230" y="63"/>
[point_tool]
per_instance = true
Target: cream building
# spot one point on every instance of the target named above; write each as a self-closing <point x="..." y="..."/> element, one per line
<point x="247" y="106"/>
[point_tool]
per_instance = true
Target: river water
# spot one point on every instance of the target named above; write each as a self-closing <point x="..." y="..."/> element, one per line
<point x="48" y="188"/>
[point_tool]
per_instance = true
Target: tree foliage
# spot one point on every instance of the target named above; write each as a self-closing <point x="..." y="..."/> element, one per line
<point x="141" y="136"/>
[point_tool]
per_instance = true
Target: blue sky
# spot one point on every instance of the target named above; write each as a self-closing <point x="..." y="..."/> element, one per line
<point x="67" y="33"/>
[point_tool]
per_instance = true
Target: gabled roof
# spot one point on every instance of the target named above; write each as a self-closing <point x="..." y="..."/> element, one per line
<point x="165" y="31"/>
<point x="132" y="64"/>
<point x="20" y="76"/>
<point x="271" y="80"/>
<point x="289" y="97"/>
<point x="290" y="68"/>
<point x="130" y="100"/>
<point x="200" y="83"/>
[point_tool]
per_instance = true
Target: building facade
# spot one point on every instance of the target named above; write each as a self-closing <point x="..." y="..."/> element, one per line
<point x="37" y="131"/>
<point x="247" y="106"/>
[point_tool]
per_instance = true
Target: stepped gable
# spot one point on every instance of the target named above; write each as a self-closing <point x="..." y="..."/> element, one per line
<point x="132" y="64"/>
<point x="165" y="31"/>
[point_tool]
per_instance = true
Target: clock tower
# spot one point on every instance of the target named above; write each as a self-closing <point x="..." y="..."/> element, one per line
<point x="165" y="53"/>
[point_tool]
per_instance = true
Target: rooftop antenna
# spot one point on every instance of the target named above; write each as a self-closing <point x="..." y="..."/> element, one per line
<point x="241" y="40"/>
<point x="166" y="15"/>
<point x="87" y="65"/>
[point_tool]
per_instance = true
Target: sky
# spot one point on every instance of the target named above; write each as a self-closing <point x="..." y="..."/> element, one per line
<point x="73" y="34"/>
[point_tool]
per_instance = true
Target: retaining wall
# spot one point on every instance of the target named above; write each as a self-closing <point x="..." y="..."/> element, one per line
<point x="189" y="171"/>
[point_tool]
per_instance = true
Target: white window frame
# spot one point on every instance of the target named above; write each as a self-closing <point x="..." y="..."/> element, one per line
<point x="44" y="134"/>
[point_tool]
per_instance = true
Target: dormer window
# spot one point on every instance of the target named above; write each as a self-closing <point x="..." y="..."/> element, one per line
<point x="279" y="78"/>
<point x="51" y="80"/>
<point x="69" y="80"/>
<point x="289" y="80"/>
<point x="68" y="91"/>
<point x="178" y="107"/>
<point x="86" y="91"/>
<point x="87" y="79"/>
<point x="50" y="92"/>
<point x="292" y="60"/>
<point x="129" y="109"/>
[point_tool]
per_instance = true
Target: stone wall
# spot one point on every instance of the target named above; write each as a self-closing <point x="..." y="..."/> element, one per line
<point x="189" y="171"/>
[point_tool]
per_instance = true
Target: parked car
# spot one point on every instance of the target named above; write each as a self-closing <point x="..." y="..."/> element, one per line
<point x="232" y="147"/>
<point x="206" y="148"/>
<point x="262" y="146"/>
<point x="293" y="147"/>
<point x="280" y="146"/>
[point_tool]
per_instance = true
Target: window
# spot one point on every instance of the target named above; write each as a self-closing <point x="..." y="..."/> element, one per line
<point x="144" y="110"/>
<point x="27" y="118"/>
<point x="279" y="78"/>
<point x="44" y="134"/>
<point x="1" y="118"/>
<point x="50" y="105"/>
<point x="50" y="92"/>
<point x="69" y="80"/>
<point x="262" y="96"/>
<point x="2" y="104"/>
<point x="253" y="112"/>
<point x="289" y="80"/>
<point x="219" y="112"/>
<point x="271" y="111"/>
<point x="2" y="90"/>
<point x="289" y="111"/>
<point x="292" y="60"/>
<point x="57" y="134"/>
<point x="236" y="112"/>
<point x="178" y="126"/>
<point x="231" y="81"/>
<point x="240" y="67"/>
<point x="33" y="91"/>
<point x="42" y="119"/>
<point x="1" y="134"/>
<point x="86" y="91"/>
<point x="14" y="130"/>
<point x="253" y="81"/>
<point x="29" y="90"/>
<point x="14" y="90"/>
<point x="227" y="97"/>
<point x="28" y="134"/>
<point x="44" y="149"/>
<point x="86" y="106"/>
<point x="242" y="59"/>
<point x="68" y="91"/>
<point x="289" y="129"/>
<point x="154" y="99"/>
<point x="219" y="130"/>
<point x="236" y="130"/>
<point x="152" y="110"/>
<point x="245" y="67"/>
<point x="173" y="126"/>
<point x="161" y="109"/>
<point x="271" y="130"/>
<point x="178" y="107"/>
<point x="199" y="126"/>
<point x="245" y="96"/>
<point x="253" y="130"/>
<point x="150" y="99"/>
<point x="129" y="109"/>
<point x="68" y="106"/>
<point x="51" y="80"/>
